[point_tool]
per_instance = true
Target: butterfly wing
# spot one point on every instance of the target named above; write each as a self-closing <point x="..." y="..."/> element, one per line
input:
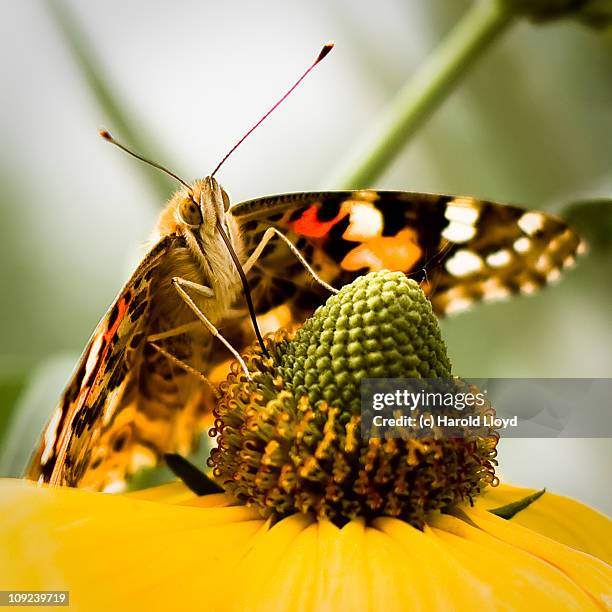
<point x="117" y="410"/>
<point x="461" y="249"/>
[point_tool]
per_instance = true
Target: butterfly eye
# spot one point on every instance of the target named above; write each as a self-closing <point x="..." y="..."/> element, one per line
<point x="226" y="200"/>
<point x="189" y="213"/>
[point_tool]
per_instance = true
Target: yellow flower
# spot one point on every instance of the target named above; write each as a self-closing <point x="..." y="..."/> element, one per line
<point x="315" y="516"/>
<point x="165" y="548"/>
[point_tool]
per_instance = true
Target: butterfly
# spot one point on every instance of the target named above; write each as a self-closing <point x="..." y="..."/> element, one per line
<point x="128" y="403"/>
<point x="146" y="381"/>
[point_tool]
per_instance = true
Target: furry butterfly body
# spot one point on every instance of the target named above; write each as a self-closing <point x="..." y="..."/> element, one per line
<point x="126" y="400"/>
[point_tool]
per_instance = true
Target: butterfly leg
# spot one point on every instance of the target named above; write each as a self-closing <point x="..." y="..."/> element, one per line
<point x="270" y="233"/>
<point x="175" y="331"/>
<point x="203" y="290"/>
<point x="179" y="285"/>
<point x="185" y="366"/>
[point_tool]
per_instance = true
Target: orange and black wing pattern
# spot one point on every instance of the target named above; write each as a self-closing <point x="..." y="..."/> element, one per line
<point x="94" y="422"/>
<point x="461" y="249"/>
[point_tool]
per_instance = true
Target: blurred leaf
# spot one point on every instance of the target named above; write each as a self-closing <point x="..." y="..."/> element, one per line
<point x="11" y="386"/>
<point x="121" y="121"/>
<point x="422" y="94"/>
<point x="593" y="220"/>
<point x="40" y="391"/>
<point x="151" y="477"/>
<point x="146" y="478"/>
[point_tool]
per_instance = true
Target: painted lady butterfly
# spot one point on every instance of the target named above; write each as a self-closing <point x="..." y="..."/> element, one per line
<point x="138" y="390"/>
<point x="128" y="403"/>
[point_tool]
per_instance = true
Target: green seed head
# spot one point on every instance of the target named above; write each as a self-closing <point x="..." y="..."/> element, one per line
<point x="380" y="326"/>
<point x="289" y="441"/>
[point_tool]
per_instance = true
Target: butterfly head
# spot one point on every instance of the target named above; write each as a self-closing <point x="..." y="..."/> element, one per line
<point x="197" y="208"/>
<point x="202" y="207"/>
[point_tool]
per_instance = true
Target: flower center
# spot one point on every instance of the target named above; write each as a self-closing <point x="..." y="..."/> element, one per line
<point x="290" y="439"/>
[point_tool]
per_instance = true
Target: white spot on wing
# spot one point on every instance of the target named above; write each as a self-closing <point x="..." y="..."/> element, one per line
<point x="463" y="263"/>
<point x="116" y="486"/>
<point x="493" y="290"/>
<point x="544" y="263"/>
<point x="569" y="261"/>
<point x="462" y="210"/>
<point x="365" y="222"/>
<point x="531" y="222"/>
<point x="553" y="276"/>
<point x="92" y="358"/>
<point x="458" y="232"/>
<point x="50" y="435"/>
<point x="141" y="457"/>
<point x="528" y="288"/>
<point x="458" y="304"/>
<point x="111" y="404"/>
<point x="499" y="258"/>
<point x="522" y="245"/>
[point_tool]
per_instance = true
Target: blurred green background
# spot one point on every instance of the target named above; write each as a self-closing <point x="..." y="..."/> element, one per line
<point x="530" y="124"/>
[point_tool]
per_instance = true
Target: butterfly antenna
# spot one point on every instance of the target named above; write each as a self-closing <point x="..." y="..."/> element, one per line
<point x="107" y="136"/>
<point x="324" y="51"/>
<point x="245" y="286"/>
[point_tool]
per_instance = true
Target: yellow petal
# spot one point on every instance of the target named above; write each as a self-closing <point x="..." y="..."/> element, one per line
<point x="255" y="570"/>
<point x="292" y="579"/>
<point x="171" y="493"/>
<point x="342" y="573"/>
<point x="116" y="552"/>
<point x="520" y="580"/>
<point x="130" y="553"/>
<point x="390" y="588"/>
<point x="442" y="582"/>
<point x="560" y="518"/>
<point x="178" y="494"/>
<point x="591" y="573"/>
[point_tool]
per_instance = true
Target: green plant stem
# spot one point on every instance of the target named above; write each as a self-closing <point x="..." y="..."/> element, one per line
<point x="480" y="26"/>
<point x="121" y="122"/>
